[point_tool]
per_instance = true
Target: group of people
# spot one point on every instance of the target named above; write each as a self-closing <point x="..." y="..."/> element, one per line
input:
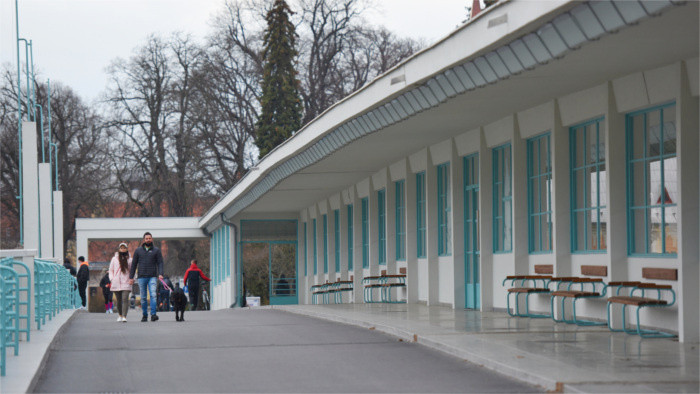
<point x="119" y="279"/>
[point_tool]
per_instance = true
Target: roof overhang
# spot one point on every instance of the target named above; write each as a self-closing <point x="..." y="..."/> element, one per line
<point x="513" y="56"/>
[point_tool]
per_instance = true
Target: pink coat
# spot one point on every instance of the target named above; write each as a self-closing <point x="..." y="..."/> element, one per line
<point x="120" y="280"/>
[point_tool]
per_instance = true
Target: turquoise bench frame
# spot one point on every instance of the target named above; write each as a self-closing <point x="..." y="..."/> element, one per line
<point x="587" y="288"/>
<point x="525" y="279"/>
<point x="657" y="302"/>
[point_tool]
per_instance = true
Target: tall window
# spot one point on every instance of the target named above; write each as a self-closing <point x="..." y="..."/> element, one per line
<point x="444" y="208"/>
<point x="350" y="240"/>
<point x="400" y="218"/>
<point x="589" y="213"/>
<point x="306" y="261"/>
<point x="315" y="235"/>
<point x="539" y="193"/>
<point x="420" y="215"/>
<point x="502" y="200"/>
<point x="325" y="244"/>
<point x="381" y="233"/>
<point x="652" y="181"/>
<point x="365" y="233"/>
<point x="336" y="242"/>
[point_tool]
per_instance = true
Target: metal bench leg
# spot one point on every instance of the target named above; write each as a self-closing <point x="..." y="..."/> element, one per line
<point x="527" y="309"/>
<point x="584" y="322"/>
<point x="651" y="333"/>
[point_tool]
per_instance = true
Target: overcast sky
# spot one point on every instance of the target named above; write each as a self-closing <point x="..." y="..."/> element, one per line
<point x="75" y="40"/>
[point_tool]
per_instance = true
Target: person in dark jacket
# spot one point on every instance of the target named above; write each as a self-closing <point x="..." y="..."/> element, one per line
<point x="67" y="264"/>
<point x="191" y="279"/>
<point x="106" y="286"/>
<point x="149" y="262"/>
<point x="83" y="276"/>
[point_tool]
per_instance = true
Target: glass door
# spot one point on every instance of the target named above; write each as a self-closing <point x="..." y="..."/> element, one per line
<point x="471" y="232"/>
<point x="283" y="278"/>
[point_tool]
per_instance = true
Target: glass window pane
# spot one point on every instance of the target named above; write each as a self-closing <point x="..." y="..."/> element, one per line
<point x="546" y="232"/>
<point x="637" y="137"/>
<point x="653" y="133"/>
<point x="536" y="233"/>
<point x="671" y="237"/>
<point x="639" y="228"/>
<point x="670" y="181"/>
<point x="655" y="236"/>
<point x="637" y="174"/>
<point x="669" y="130"/>
<point x="507" y="231"/>
<point x="603" y="241"/>
<point x="581" y="228"/>
<point x="601" y="142"/>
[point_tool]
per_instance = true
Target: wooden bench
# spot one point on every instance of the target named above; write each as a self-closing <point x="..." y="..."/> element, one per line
<point x="576" y="289"/>
<point x="526" y="284"/>
<point x="384" y="284"/>
<point x="340" y="287"/>
<point x="640" y="302"/>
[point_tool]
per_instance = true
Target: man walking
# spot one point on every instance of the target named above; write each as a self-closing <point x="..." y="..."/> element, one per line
<point x="83" y="277"/>
<point x="191" y="279"/>
<point x="151" y="270"/>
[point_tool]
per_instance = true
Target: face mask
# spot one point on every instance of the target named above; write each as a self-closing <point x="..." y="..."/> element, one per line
<point x="123" y="253"/>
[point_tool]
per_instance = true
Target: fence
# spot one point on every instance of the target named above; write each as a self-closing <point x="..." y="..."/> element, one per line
<point x="52" y="291"/>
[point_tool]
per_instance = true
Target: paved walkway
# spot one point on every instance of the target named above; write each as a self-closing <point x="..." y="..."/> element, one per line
<point x="250" y="350"/>
<point x="556" y="356"/>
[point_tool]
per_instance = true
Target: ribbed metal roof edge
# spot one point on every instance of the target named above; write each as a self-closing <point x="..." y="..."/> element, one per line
<point x="552" y="40"/>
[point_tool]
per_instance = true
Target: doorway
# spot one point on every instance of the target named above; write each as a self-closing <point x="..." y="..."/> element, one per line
<point x="471" y="232"/>
<point x="269" y="261"/>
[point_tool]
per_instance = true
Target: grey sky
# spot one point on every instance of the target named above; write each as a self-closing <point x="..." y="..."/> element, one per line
<point x="75" y="40"/>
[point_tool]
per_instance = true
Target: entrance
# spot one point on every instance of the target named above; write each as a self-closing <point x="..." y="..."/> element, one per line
<point x="471" y="232"/>
<point x="269" y="261"/>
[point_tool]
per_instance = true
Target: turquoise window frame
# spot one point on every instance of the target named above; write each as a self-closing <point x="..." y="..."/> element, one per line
<point x="336" y="239"/>
<point x="400" y="219"/>
<point x="325" y="243"/>
<point x="306" y="255"/>
<point x="365" y="233"/>
<point x="421" y="241"/>
<point x="444" y="209"/>
<point x="381" y="226"/>
<point x="502" y="176"/>
<point x="632" y="206"/>
<point x="539" y="213"/>
<point x="351" y="262"/>
<point x="314" y="228"/>
<point x="592" y="208"/>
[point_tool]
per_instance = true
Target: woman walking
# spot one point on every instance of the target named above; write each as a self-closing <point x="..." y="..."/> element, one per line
<point x="119" y="275"/>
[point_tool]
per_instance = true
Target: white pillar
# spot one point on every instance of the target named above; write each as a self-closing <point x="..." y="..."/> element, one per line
<point x="688" y="175"/>
<point x="30" y="177"/>
<point x="561" y="197"/>
<point x="521" y="243"/>
<point x="411" y="236"/>
<point x="431" y="219"/>
<point x="456" y="194"/>
<point x="486" y="225"/>
<point x="616" y="186"/>
<point x="45" y="212"/>
<point x="58" y="251"/>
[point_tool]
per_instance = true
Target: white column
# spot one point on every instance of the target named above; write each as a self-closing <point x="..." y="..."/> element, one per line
<point x="687" y="208"/>
<point x="486" y="225"/>
<point x="616" y="186"/>
<point x="411" y="236"/>
<point x="456" y="194"/>
<point x="390" y="223"/>
<point x="521" y="245"/>
<point x="58" y="251"/>
<point x="561" y="197"/>
<point x="431" y="220"/>
<point x="45" y="212"/>
<point x="30" y="184"/>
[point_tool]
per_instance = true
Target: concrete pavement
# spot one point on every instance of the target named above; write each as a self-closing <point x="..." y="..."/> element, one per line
<point x="556" y="356"/>
<point x="250" y="350"/>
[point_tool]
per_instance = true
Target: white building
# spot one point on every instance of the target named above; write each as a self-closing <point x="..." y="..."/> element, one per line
<point x="542" y="135"/>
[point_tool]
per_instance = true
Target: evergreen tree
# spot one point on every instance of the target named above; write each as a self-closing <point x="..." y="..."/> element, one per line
<point x="280" y="114"/>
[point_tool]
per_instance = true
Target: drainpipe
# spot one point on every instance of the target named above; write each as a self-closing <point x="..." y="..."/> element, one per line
<point x="235" y="255"/>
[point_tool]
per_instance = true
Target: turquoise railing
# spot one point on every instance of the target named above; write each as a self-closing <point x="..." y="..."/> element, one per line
<point x="9" y="312"/>
<point x="24" y="279"/>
